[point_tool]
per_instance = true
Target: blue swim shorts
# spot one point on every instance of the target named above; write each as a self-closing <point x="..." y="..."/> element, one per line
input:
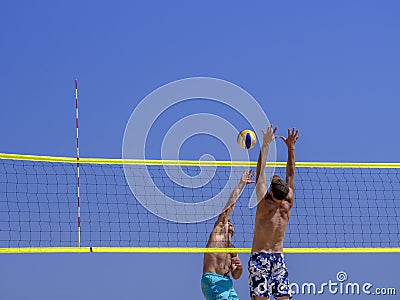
<point x="268" y="275"/>
<point x="217" y="287"/>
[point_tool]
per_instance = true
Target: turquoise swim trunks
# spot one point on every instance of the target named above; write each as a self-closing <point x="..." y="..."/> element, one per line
<point x="217" y="287"/>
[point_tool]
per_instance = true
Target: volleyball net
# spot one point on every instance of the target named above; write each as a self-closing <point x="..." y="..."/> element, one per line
<point x="339" y="207"/>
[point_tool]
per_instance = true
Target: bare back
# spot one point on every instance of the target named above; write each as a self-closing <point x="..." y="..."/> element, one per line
<point x="218" y="263"/>
<point x="271" y="221"/>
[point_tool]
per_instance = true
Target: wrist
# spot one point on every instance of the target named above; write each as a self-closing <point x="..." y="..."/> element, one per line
<point x="265" y="145"/>
<point x="242" y="183"/>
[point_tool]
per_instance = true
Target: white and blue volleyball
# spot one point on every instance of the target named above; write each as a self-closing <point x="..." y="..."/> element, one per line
<point x="247" y="139"/>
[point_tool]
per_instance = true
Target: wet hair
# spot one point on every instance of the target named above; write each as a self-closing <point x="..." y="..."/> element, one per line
<point x="279" y="188"/>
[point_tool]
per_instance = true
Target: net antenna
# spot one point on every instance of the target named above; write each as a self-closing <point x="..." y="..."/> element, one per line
<point x="77" y="164"/>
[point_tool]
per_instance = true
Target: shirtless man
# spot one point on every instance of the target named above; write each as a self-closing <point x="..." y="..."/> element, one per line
<point x="268" y="274"/>
<point x="215" y="282"/>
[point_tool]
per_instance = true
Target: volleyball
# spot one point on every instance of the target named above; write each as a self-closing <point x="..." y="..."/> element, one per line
<point x="247" y="139"/>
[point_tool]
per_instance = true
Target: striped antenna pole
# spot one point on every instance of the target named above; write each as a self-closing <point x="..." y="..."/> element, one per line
<point x="77" y="164"/>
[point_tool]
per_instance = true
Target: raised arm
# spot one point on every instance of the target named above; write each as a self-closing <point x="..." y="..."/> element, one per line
<point x="261" y="180"/>
<point x="230" y="205"/>
<point x="290" y="142"/>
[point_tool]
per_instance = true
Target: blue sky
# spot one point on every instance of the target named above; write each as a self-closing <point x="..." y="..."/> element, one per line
<point x="329" y="68"/>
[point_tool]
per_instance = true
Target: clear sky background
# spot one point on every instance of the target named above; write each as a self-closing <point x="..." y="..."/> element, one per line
<point x="330" y="68"/>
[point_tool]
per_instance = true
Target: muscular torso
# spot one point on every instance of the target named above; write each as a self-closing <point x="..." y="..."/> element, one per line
<point x="270" y="224"/>
<point x="218" y="263"/>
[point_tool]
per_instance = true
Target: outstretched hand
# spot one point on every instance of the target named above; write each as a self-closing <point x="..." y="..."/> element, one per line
<point x="269" y="135"/>
<point x="247" y="177"/>
<point x="292" y="138"/>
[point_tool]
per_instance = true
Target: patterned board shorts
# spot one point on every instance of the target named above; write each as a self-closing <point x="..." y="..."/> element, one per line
<point x="268" y="275"/>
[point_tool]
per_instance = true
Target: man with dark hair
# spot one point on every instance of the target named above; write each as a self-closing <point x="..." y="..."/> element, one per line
<point x="279" y="188"/>
<point x="216" y="282"/>
<point x="268" y="274"/>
